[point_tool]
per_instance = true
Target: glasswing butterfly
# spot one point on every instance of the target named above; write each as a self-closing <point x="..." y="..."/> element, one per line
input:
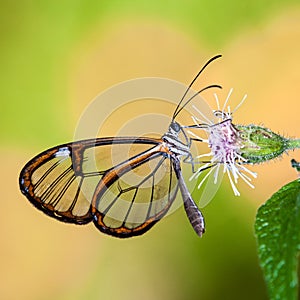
<point x="78" y="182"/>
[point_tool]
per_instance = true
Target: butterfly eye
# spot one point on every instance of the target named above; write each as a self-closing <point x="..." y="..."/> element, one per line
<point x="175" y="126"/>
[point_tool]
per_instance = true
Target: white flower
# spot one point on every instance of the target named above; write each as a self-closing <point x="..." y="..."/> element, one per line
<point x="225" y="143"/>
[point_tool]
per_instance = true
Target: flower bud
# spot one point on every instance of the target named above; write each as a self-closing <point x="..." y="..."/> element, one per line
<point x="259" y="144"/>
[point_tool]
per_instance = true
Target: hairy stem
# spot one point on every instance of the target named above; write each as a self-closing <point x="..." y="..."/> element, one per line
<point x="293" y="144"/>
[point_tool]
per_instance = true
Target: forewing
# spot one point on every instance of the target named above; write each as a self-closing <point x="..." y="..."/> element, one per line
<point x="61" y="181"/>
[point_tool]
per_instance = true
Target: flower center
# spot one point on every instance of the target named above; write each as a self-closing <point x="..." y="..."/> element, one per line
<point x="223" y="141"/>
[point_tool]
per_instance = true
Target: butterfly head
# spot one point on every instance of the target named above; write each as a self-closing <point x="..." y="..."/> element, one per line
<point x="176" y="139"/>
<point x="174" y="128"/>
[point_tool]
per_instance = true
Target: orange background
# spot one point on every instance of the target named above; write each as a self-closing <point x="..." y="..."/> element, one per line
<point x="57" y="57"/>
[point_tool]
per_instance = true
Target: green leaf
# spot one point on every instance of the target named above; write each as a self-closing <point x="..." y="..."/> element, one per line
<point x="277" y="228"/>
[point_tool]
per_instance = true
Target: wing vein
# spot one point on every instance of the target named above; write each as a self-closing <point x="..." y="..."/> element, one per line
<point x="46" y="174"/>
<point x="55" y="201"/>
<point x="76" y="195"/>
<point x="52" y="186"/>
<point x="130" y="207"/>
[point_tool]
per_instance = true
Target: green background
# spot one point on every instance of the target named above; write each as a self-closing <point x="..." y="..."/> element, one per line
<point x="47" y="48"/>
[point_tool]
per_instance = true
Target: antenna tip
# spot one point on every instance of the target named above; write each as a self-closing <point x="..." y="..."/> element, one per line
<point x="217" y="56"/>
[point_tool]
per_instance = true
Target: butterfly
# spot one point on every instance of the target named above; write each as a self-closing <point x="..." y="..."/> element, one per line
<point x="79" y="182"/>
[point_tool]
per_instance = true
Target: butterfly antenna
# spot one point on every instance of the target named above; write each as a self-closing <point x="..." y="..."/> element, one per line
<point x="195" y="95"/>
<point x="178" y="108"/>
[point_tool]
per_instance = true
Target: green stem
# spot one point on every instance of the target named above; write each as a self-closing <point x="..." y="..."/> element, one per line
<point x="293" y="144"/>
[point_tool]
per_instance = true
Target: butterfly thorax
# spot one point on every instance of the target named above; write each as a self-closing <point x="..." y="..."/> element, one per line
<point x="178" y="145"/>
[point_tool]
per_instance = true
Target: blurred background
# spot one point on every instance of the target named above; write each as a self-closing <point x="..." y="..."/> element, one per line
<point x="56" y="56"/>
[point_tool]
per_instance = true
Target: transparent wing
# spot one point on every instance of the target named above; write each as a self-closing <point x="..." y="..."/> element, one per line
<point x="130" y="199"/>
<point x="81" y="181"/>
